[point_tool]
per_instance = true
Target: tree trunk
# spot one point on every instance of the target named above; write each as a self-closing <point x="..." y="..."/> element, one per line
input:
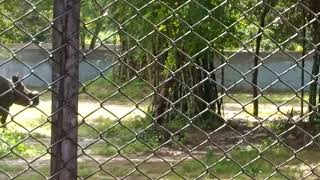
<point x="82" y="40"/>
<point x="222" y="82"/>
<point x="313" y="88"/>
<point x="315" y="6"/>
<point x="160" y="103"/>
<point x="65" y="74"/>
<point x="114" y="59"/>
<point x="304" y="49"/>
<point x="122" y="67"/>
<point x="208" y="91"/>
<point x="265" y="12"/>
<point x="95" y="36"/>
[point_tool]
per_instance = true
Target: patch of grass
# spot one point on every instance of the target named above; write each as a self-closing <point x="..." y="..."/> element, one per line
<point x="31" y="119"/>
<point x="27" y="150"/>
<point x="105" y="87"/>
<point x="275" y="97"/>
<point x="135" y="147"/>
<point x="106" y="149"/>
<point x="86" y="169"/>
<point x="116" y="91"/>
<point x="9" y="168"/>
<point x="15" y="169"/>
<point x="103" y="149"/>
<point x="9" y="139"/>
<point x="238" y="161"/>
<point x="126" y="136"/>
<point x="94" y="171"/>
<point x="93" y="128"/>
<point x="19" y="143"/>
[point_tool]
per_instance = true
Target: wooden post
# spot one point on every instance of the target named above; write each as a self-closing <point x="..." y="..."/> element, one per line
<point x="65" y="88"/>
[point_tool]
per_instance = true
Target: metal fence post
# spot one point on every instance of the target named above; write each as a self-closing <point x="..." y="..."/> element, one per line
<point x="65" y="87"/>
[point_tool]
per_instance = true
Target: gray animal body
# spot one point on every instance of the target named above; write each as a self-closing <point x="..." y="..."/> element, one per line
<point x="14" y="92"/>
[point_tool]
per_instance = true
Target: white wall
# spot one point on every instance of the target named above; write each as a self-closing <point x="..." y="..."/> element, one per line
<point x="280" y="63"/>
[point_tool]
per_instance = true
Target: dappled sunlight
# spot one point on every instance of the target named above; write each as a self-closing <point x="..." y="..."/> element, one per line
<point x="267" y="112"/>
<point x="37" y="119"/>
<point x="31" y="118"/>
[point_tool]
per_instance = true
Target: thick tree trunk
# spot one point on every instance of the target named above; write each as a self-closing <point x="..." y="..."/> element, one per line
<point x="65" y="74"/>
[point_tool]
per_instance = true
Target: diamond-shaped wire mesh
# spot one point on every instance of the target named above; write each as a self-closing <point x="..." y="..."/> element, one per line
<point x="189" y="89"/>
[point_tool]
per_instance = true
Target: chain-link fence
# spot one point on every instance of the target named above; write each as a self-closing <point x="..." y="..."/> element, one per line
<point x="160" y="89"/>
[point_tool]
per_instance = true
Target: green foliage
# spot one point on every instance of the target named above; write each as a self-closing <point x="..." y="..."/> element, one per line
<point x="20" y="24"/>
<point x="170" y="63"/>
<point x="9" y="140"/>
<point x="138" y="23"/>
<point x="12" y="141"/>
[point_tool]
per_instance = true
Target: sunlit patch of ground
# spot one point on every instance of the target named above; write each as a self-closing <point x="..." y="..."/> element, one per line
<point x="37" y="119"/>
<point x="267" y="112"/>
<point x="87" y="110"/>
<point x="92" y="110"/>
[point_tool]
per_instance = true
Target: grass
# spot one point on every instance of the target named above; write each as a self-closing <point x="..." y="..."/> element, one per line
<point x="30" y="126"/>
<point x="124" y="138"/>
<point x="106" y="88"/>
<point x="9" y="139"/>
<point x="115" y="136"/>
<point x="267" y="98"/>
<point x="239" y="163"/>
<point x="14" y="144"/>
<point x="114" y="91"/>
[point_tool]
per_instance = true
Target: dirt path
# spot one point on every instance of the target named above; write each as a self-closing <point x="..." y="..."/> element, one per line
<point x="94" y="110"/>
<point x="87" y="110"/>
<point x="269" y="112"/>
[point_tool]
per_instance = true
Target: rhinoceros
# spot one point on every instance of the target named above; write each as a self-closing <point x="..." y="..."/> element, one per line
<point x="14" y="92"/>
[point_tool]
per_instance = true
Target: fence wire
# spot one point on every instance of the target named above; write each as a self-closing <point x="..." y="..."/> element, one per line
<point x="167" y="89"/>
